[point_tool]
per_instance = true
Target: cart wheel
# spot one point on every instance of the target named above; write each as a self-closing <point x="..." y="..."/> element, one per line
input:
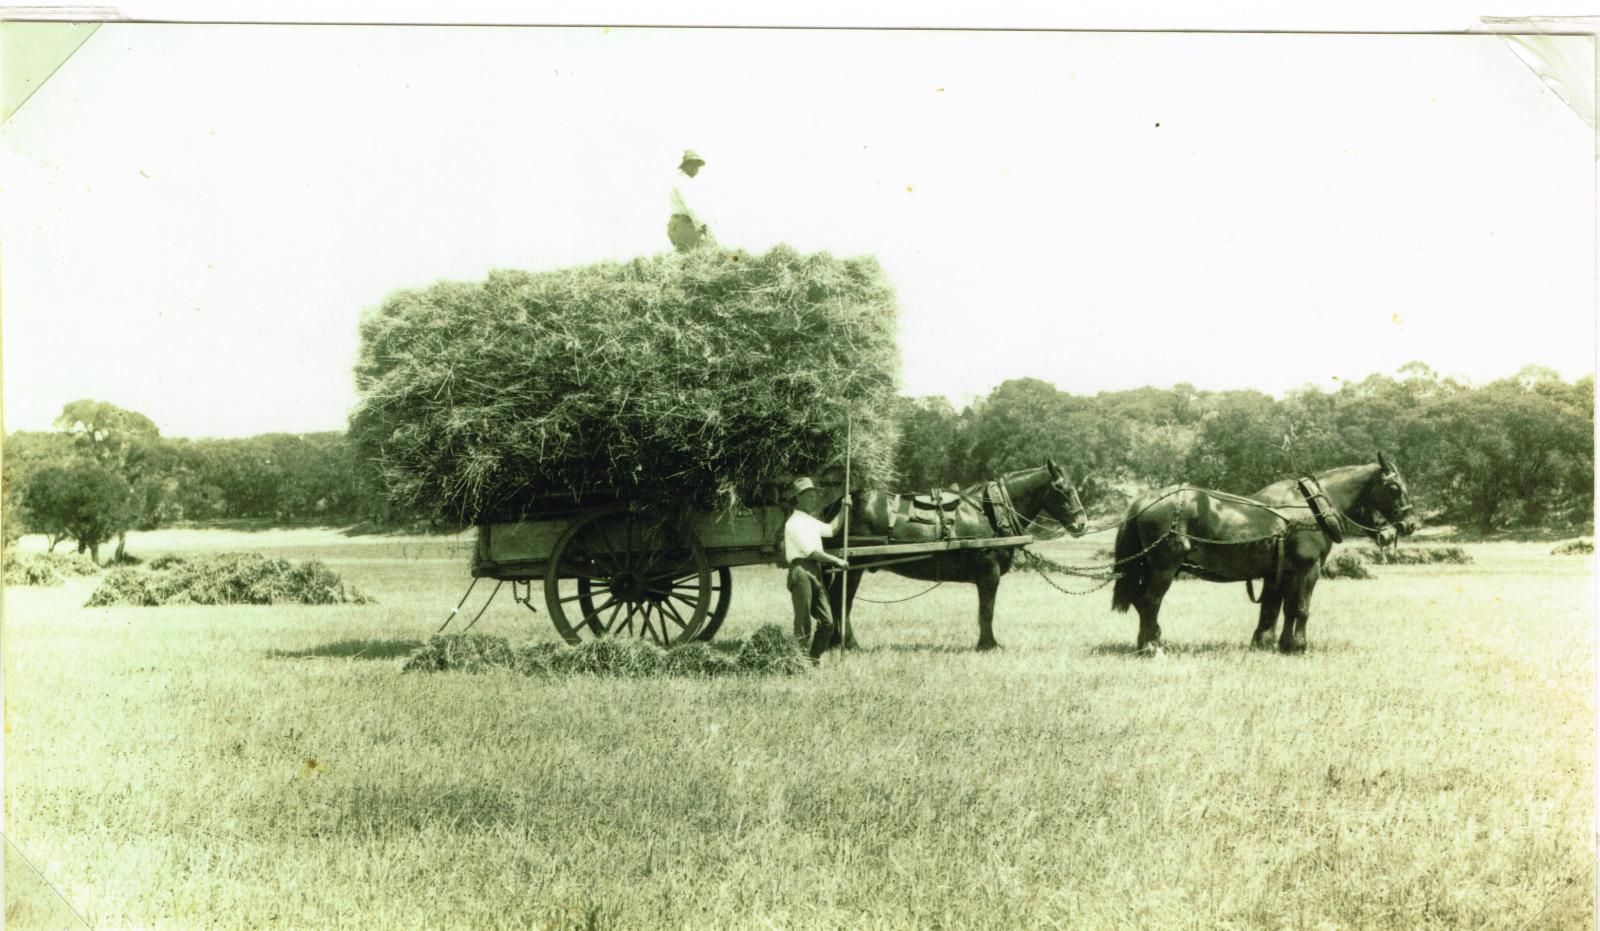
<point x="722" y="596"/>
<point x="615" y="573"/>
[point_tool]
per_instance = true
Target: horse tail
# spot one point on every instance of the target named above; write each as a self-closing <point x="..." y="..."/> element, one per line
<point x="1130" y="571"/>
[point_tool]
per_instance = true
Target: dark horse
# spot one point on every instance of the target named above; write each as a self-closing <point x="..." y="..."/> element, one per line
<point x="1281" y="534"/>
<point x="1007" y="506"/>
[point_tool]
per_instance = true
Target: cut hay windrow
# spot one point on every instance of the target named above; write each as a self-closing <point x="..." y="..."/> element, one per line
<point x="47" y="568"/>
<point x="701" y="380"/>
<point x="224" y="579"/>
<point x="770" y="651"/>
<point x="1346" y="565"/>
<point x="1415" y="555"/>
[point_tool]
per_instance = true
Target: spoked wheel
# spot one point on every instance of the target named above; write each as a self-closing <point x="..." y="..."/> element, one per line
<point x="722" y="596"/>
<point x="617" y="573"/>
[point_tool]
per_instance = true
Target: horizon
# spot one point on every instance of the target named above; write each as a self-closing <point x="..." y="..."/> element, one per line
<point x="1102" y="211"/>
<point x="959" y="405"/>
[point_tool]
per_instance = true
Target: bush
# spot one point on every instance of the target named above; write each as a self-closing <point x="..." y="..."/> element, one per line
<point x="684" y="381"/>
<point x="227" y="578"/>
<point x="1345" y="565"/>
<point x="1574" y="548"/>
<point x="769" y="651"/>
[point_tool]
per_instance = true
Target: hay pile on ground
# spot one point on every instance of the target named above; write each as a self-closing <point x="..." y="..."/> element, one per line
<point x="47" y="568"/>
<point x="700" y="380"/>
<point x="770" y="651"/>
<point x="225" y="579"/>
<point x="1415" y="555"/>
<point x="1345" y="564"/>
<point x="1574" y="548"/>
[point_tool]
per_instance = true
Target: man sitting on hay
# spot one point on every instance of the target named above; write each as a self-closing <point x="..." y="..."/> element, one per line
<point x="685" y="228"/>
<point x="802" y="550"/>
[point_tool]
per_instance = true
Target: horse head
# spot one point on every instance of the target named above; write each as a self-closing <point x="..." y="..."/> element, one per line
<point x="1388" y="497"/>
<point x="1062" y="503"/>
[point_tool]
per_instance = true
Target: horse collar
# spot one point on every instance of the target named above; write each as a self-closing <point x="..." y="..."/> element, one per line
<point x="1327" y="516"/>
<point x="1006" y="519"/>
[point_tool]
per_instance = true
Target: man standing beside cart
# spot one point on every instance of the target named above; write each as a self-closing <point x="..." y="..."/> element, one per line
<point x="803" y="533"/>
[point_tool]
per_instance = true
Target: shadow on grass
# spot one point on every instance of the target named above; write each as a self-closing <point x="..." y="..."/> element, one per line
<point x="914" y="648"/>
<point x="414" y="529"/>
<point x="1216" y="647"/>
<point x="1176" y="648"/>
<point x="352" y="649"/>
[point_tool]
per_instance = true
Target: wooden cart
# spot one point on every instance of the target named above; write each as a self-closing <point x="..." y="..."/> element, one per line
<point x="614" y="570"/>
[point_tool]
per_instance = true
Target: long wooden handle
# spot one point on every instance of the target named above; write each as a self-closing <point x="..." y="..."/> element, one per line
<point x="844" y="577"/>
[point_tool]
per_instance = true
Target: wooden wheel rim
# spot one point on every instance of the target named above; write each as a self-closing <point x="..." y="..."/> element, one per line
<point x="623" y="580"/>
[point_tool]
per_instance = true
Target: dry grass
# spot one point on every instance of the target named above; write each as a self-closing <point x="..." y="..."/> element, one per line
<point x="46" y="568"/>
<point x="224" y="579"/>
<point x="703" y="379"/>
<point x="1429" y="764"/>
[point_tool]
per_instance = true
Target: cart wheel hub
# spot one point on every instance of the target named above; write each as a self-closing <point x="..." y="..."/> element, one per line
<point x="628" y="586"/>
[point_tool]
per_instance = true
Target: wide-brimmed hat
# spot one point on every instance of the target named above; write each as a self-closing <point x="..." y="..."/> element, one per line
<point x="690" y="155"/>
<point x="802" y="484"/>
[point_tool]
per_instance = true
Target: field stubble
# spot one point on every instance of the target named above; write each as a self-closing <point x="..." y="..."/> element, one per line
<point x="1428" y="764"/>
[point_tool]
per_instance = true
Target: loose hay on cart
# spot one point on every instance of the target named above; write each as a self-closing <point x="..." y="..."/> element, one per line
<point x="695" y="381"/>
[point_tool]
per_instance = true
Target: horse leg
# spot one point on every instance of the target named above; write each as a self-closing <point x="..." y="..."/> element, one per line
<point x="1271" y="604"/>
<point x="988" y="582"/>
<point x="854" y="577"/>
<point x="1148" y="604"/>
<point x="1297" y="608"/>
<point x="839" y="596"/>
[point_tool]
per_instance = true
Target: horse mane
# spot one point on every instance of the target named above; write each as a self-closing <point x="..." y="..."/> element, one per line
<point x="1322" y="477"/>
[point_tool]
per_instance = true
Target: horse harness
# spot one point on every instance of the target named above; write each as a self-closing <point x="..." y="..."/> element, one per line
<point x="1326" y="519"/>
<point x="940" y="506"/>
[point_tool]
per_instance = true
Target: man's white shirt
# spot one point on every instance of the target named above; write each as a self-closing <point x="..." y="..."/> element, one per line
<point x="802" y="535"/>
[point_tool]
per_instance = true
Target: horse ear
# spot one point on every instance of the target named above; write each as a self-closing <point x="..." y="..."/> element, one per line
<point x="1055" y="471"/>
<point x="1383" y="462"/>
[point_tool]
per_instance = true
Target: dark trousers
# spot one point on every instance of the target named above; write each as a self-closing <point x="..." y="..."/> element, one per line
<point x="810" y="597"/>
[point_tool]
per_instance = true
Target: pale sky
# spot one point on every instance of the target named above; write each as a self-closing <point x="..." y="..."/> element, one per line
<point x="193" y="217"/>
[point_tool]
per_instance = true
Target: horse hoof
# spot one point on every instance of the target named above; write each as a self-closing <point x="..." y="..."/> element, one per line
<point x="1262" y="643"/>
<point x="1152" y="650"/>
<point x="986" y="647"/>
<point x="1292" y="649"/>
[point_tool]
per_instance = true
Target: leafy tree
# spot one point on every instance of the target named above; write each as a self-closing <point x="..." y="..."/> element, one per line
<point x="1514" y="449"/>
<point x="11" y="516"/>
<point x="1025" y="421"/>
<point x="83" y="500"/>
<point x="1242" y="443"/>
<point x="126" y="443"/>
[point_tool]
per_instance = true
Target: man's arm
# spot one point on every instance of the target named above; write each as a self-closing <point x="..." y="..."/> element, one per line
<point x="837" y="524"/>
<point x="833" y="528"/>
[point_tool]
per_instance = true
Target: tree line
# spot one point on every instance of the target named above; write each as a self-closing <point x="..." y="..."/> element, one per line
<point x="1514" y="453"/>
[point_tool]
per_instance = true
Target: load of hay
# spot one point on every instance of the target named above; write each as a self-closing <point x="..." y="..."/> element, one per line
<point x="701" y="380"/>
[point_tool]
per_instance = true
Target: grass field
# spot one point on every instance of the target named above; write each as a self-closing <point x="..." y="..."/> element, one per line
<point x="1429" y="763"/>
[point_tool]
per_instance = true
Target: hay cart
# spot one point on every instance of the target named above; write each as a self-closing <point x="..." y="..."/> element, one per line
<point x="610" y="569"/>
